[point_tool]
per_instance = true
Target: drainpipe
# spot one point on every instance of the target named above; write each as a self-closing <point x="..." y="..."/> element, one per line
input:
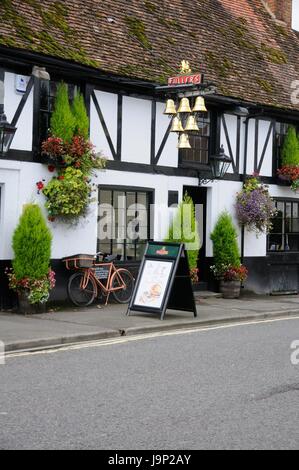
<point x="1" y="91"/>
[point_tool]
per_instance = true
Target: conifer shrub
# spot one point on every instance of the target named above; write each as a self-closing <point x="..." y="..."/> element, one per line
<point x="31" y="275"/>
<point x="290" y="149"/>
<point x="184" y="229"/>
<point x="80" y="116"/>
<point x="31" y="245"/>
<point x="63" y="121"/>
<point x="225" y="245"/>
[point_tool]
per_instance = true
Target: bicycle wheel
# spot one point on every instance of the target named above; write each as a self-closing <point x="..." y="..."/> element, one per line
<point x="120" y="277"/>
<point x="81" y="297"/>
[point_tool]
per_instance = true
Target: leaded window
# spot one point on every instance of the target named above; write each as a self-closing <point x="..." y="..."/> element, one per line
<point x="284" y="235"/>
<point x="123" y="222"/>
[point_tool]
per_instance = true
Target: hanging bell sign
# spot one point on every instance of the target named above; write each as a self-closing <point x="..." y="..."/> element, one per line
<point x="191" y="125"/>
<point x="200" y="105"/>
<point x="184" y="106"/>
<point x="177" y="125"/>
<point x="184" y="142"/>
<point x="170" y="108"/>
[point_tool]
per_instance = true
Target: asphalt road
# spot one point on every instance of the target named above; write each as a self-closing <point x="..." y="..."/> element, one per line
<point x="231" y="388"/>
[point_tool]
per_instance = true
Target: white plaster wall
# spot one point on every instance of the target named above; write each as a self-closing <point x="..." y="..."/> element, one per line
<point x="170" y="153"/>
<point x="23" y="136"/>
<point x="266" y="169"/>
<point x="136" y="130"/>
<point x="231" y="123"/>
<point x="18" y="182"/>
<point x="108" y="105"/>
<point x="221" y="196"/>
<point x="250" y="148"/>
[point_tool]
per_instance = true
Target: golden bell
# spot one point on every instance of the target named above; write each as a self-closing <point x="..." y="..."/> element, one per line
<point x="184" y="106"/>
<point x="184" y="142"/>
<point x="191" y="125"/>
<point x="170" y="107"/>
<point x="177" y="125"/>
<point x="200" y="106"/>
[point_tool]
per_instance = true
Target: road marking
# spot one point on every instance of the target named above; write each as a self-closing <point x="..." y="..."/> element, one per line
<point x="129" y="339"/>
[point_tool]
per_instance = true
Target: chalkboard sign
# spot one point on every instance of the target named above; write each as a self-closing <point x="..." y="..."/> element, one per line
<point x="163" y="281"/>
<point x="102" y="272"/>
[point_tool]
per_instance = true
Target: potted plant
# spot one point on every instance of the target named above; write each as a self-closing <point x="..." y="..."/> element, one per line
<point x="289" y="170"/>
<point x="227" y="267"/>
<point x="71" y="157"/>
<point x="184" y="229"/>
<point x="255" y="208"/>
<point x="231" y="278"/>
<point x="31" y="276"/>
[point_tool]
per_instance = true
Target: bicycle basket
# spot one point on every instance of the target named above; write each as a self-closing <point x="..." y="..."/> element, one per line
<point x="79" y="261"/>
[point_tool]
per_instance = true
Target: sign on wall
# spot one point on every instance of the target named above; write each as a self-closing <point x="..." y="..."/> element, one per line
<point x="163" y="281"/>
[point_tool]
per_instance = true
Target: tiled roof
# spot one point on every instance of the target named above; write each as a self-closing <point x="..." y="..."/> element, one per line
<point x="236" y="42"/>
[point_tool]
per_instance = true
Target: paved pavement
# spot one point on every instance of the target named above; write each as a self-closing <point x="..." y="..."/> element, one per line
<point x="26" y="332"/>
<point x="227" y="388"/>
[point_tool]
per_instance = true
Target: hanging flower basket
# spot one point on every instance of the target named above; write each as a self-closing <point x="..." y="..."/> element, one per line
<point x="290" y="174"/>
<point x="254" y="206"/>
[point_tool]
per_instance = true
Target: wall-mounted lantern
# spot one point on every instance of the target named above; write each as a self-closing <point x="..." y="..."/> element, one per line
<point x="7" y="132"/>
<point x="220" y="164"/>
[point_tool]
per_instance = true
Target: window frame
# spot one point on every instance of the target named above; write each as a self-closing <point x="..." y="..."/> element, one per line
<point x="213" y="142"/>
<point x="150" y="192"/>
<point x="277" y="147"/>
<point x="37" y="133"/>
<point x="284" y="234"/>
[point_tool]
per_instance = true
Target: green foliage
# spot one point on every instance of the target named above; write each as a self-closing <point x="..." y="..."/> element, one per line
<point x="32" y="245"/>
<point x="80" y="116"/>
<point x="184" y="229"/>
<point x="290" y="149"/>
<point x="136" y="28"/>
<point x="225" y="245"/>
<point x="62" y="120"/>
<point x="67" y="195"/>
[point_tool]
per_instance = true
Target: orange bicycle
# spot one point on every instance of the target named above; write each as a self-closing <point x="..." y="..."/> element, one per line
<point x="95" y="279"/>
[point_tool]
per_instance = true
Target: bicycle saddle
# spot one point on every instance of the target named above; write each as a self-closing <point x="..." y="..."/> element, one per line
<point x="110" y="258"/>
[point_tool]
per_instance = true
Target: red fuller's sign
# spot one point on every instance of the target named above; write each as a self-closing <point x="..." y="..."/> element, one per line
<point x="193" y="79"/>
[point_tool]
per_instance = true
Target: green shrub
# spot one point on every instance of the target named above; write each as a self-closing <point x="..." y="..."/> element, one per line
<point x="62" y="120"/>
<point x="290" y="149"/>
<point x="225" y="245"/>
<point x="32" y="245"/>
<point x="179" y="231"/>
<point x="80" y="116"/>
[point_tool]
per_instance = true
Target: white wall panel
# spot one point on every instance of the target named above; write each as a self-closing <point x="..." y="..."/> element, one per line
<point x="18" y="181"/>
<point x="266" y="169"/>
<point x="108" y="105"/>
<point x="23" y="136"/>
<point x="136" y="130"/>
<point x="221" y="197"/>
<point x="250" y="148"/>
<point x="231" y="123"/>
<point x="170" y="153"/>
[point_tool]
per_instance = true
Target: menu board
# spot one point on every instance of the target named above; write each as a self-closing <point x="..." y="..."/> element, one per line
<point x="153" y="284"/>
<point x="163" y="281"/>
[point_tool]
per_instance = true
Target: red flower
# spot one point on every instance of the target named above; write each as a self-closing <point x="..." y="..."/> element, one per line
<point x="53" y="146"/>
<point x="40" y="185"/>
<point x="61" y="177"/>
<point x="51" y="168"/>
